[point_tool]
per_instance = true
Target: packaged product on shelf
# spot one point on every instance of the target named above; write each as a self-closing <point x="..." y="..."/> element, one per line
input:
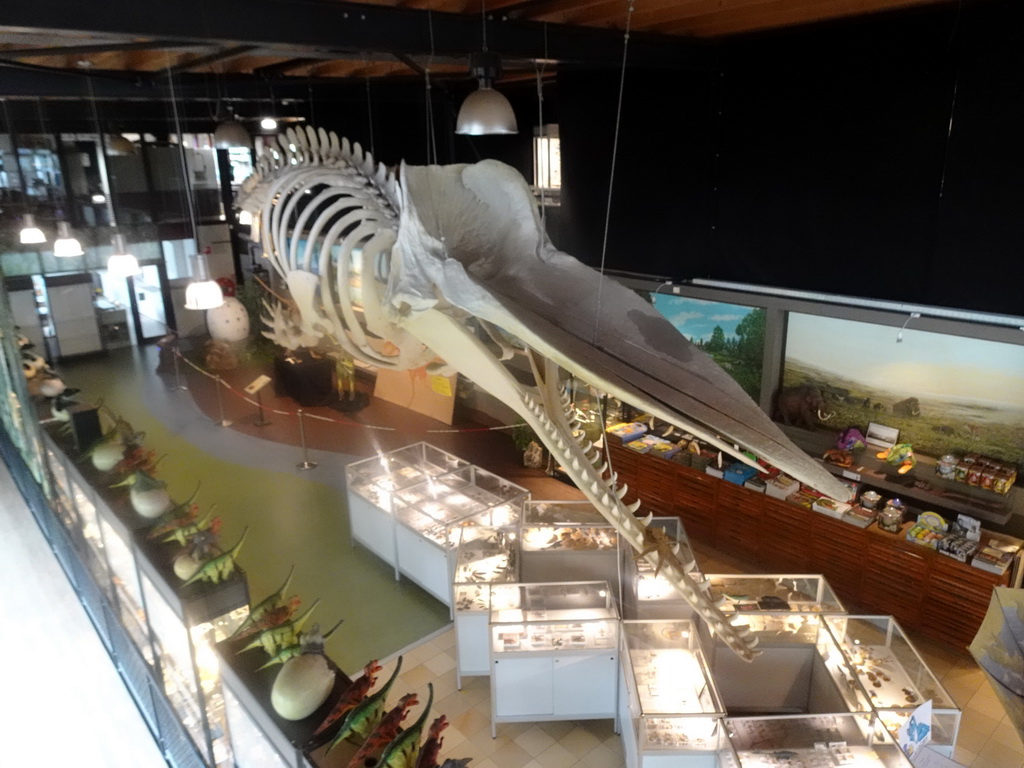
<point x="929" y="530"/>
<point x="627" y="432"/>
<point x="860" y="516"/>
<point x="756" y="484"/>
<point x="994" y="557"/>
<point x="958" y="547"/>
<point x="830" y="507"/>
<point x="781" y="486"/>
<point x="663" y="448"/>
<point x="738" y="473"/>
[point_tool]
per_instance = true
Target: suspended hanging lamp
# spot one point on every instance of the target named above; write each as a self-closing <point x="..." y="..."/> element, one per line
<point x="121" y="263"/>
<point x="202" y="292"/>
<point x="230" y="133"/>
<point x="30" y="233"/>
<point x="485" y="112"/>
<point x="66" y="244"/>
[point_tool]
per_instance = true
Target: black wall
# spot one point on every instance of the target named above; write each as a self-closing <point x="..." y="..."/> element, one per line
<point x="818" y="159"/>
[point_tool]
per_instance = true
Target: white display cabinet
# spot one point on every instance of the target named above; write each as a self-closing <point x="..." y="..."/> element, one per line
<point x="431" y="517"/>
<point x="774" y="592"/>
<point x="372" y="482"/>
<point x="669" y="710"/>
<point x="650" y="595"/>
<point x="554" y="653"/>
<point x="893" y="675"/>
<point x="857" y="740"/>
<point x="568" y="541"/>
<point x="486" y="559"/>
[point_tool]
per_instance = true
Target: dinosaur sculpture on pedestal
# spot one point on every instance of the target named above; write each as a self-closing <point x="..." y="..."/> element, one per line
<point x="451" y="263"/>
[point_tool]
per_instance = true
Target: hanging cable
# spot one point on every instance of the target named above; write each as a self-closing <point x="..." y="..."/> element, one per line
<point x="431" y="133"/>
<point x="103" y="151"/>
<point x="611" y="179"/>
<point x="182" y="160"/>
<point x="369" y="117"/>
<point x="541" y="142"/>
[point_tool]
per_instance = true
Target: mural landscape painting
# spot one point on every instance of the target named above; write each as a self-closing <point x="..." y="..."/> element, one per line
<point x="732" y="334"/>
<point x="945" y="394"/>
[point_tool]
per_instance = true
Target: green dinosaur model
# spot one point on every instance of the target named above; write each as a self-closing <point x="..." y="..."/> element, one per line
<point x="365" y="715"/>
<point x="221" y="567"/>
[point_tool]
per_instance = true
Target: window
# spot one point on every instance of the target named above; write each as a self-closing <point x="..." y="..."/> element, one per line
<point x="547" y="159"/>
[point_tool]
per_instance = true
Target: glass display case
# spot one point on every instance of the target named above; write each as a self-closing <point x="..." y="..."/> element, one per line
<point x="486" y="561"/>
<point x="372" y="483"/>
<point x="774" y="592"/>
<point x="430" y="519"/>
<point x="669" y="709"/>
<point x="816" y="741"/>
<point x="893" y="675"/>
<point x="554" y="653"/>
<point x="568" y="541"/>
<point x="650" y="595"/>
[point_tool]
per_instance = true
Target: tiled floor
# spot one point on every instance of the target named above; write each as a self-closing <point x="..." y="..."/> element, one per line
<point x="986" y="740"/>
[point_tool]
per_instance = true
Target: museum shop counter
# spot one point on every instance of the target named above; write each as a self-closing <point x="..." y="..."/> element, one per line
<point x="879" y="571"/>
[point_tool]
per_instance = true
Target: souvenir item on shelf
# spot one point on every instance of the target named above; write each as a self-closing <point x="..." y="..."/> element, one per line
<point x="870" y="499"/>
<point x="994" y="556"/>
<point x="830" y="507"/>
<point x="958" y="547"/>
<point x="388" y="730"/>
<point x="261" y="609"/>
<point x="189" y="528"/>
<point x="946" y="467"/>
<point x="900" y="455"/>
<point x="110" y="449"/>
<point x="851" y="439"/>
<point x="268" y="619"/>
<point x="839" y="457"/>
<point x="304" y="682"/>
<point x="860" y="516"/>
<point x="930" y="529"/>
<point x="781" y="486"/>
<point x="290" y="651"/>
<point x="148" y="496"/>
<point x="891" y="518"/>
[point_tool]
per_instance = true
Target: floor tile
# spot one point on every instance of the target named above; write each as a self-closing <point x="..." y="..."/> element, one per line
<point x="556" y="756"/>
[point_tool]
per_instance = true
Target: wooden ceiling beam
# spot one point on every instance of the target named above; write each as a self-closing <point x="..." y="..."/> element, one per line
<point x="97" y="48"/>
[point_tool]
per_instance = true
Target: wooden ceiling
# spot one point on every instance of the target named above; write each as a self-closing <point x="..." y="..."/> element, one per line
<point x="699" y="20"/>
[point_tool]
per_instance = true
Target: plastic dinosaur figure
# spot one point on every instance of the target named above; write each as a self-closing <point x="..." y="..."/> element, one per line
<point x="387" y="730"/>
<point x="290" y="651"/>
<point x="364" y="716"/>
<point x="356" y="692"/>
<point x="267" y="604"/>
<point x="274" y="617"/>
<point x="275" y="638"/>
<point x="430" y="751"/>
<point x="900" y="455"/>
<point x="221" y="567"/>
<point x="454" y="264"/>
<point x="190" y="528"/>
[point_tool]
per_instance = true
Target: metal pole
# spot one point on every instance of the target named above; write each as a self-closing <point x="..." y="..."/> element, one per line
<point x="305" y="463"/>
<point x="261" y="419"/>
<point x="220" y="404"/>
<point x="177" y="373"/>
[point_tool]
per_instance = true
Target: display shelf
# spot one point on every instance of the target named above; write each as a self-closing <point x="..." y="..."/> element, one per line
<point x="372" y="482"/>
<point x="821" y="741"/>
<point x="776" y="592"/>
<point x="669" y="709"/>
<point x="894" y="676"/>
<point x="554" y="656"/>
<point x="921" y="484"/>
<point x="487" y="560"/>
<point x="270" y="740"/>
<point x="568" y="541"/>
<point x="650" y="595"/>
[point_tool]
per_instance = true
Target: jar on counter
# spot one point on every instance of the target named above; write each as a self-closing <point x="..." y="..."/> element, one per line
<point x="946" y="468"/>
<point x="891" y="518"/>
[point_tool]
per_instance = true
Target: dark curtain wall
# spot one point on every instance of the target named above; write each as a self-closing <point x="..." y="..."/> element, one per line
<point x="815" y="159"/>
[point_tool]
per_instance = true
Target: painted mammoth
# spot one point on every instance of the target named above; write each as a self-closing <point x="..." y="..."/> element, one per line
<point x="801" y="406"/>
<point x="909" y="407"/>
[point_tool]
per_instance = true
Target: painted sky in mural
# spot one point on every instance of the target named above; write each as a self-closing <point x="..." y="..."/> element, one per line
<point x="950" y="368"/>
<point x="696" y="319"/>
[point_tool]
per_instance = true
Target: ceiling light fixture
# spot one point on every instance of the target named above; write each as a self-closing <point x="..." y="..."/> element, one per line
<point x="485" y="112"/>
<point x="121" y="263"/>
<point x="230" y="133"/>
<point x="30" y="233"/>
<point x="268" y="124"/>
<point x="66" y="244"/>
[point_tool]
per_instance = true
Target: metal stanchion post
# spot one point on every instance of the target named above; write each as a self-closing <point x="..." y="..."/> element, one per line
<point x="220" y="403"/>
<point x="177" y="373"/>
<point x="261" y="419"/>
<point x="305" y="463"/>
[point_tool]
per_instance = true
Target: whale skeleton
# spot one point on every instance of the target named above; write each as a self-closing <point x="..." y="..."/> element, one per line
<point x="449" y="267"/>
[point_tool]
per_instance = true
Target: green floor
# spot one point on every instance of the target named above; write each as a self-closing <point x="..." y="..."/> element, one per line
<point x="293" y="519"/>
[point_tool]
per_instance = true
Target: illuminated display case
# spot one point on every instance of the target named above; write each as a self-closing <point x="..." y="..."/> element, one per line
<point x="486" y="562"/>
<point x="814" y="741"/>
<point x="372" y="483"/>
<point x="432" y="517"/>
<point x="568" y="541"/>
<point x="554" y="653"/>
<point x="774" y="592"/>
<point x="647" y="595"/>
<point x="893" y="675"/>
<point x="669" y="709"/>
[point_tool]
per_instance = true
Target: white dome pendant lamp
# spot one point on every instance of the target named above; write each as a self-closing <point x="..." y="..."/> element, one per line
<point x="202" y="292"/>
<point x="485" y="112"/>
<point x="121" y="263"/>
<point x="66" y="244"/>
